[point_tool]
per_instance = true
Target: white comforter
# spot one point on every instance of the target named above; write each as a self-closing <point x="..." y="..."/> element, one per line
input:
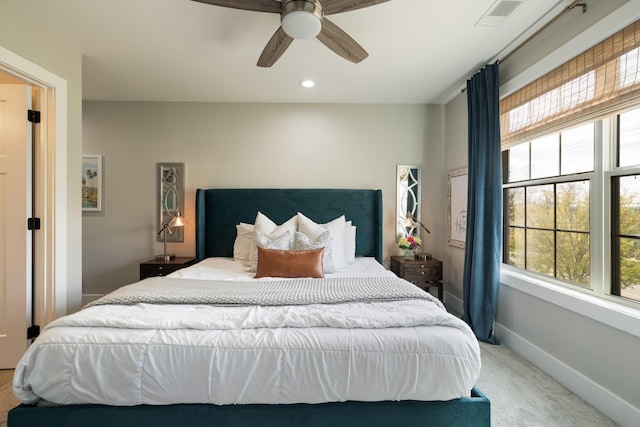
<point x="151" y="354"/>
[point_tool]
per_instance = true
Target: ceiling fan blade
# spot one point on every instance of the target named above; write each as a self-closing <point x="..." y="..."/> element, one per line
<point x="274" y="49"/>
<point x="271" y="6"/>
<point x="338" y="6"/>
<point x="340" y="42"/>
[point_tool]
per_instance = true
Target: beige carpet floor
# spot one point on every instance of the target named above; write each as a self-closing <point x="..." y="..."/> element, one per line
<point x="7" y="399"/>
<point x="523" y="395"/>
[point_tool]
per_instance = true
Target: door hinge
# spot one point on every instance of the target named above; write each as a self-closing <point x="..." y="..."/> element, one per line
<point x="33" y="223"/>
<point x="33" y="116"/>
<point x="33" y="332"/>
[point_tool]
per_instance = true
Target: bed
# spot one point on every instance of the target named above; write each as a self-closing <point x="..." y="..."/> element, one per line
<point x="316" y="393"/>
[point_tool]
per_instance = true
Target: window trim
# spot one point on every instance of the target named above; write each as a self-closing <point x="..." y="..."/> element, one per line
<point x="580" y="301"/>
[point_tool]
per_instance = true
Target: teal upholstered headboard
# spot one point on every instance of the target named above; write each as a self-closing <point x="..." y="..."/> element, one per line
<point x="219" y="210"/>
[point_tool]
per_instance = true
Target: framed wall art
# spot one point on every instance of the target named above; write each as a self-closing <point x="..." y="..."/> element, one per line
<point x="457" y="207"/>
<point x="91" y="182"/>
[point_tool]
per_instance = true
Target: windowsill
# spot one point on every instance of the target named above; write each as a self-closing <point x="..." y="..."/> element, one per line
<point x="617" y="316"/>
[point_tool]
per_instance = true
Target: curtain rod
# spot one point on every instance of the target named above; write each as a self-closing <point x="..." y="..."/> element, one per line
<point x="564" y="11"/>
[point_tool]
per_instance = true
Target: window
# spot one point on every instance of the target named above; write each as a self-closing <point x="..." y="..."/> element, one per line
<point x="625" y="210"/>
<point x="548" y="205"/>
<point x="629" y="139"/>
<point x="553" y="185"/>
<point x="571" y="161"/>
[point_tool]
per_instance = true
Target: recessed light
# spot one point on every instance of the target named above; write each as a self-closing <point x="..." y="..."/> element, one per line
<point x="307" y="83"/>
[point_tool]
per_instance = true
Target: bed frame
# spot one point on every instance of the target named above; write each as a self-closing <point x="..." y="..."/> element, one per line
<point x="464" y="412"/>
<point x="219" y="210"/>
<point x="217" y="213"/>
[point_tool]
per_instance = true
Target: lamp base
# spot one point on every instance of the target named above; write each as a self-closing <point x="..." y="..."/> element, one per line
<point x="423" y="256"/>
<point x="165" y="258"/>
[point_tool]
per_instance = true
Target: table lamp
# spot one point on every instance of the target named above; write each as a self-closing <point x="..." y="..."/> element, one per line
<point x="175" y="221"/>
<point x="412" y="223"/>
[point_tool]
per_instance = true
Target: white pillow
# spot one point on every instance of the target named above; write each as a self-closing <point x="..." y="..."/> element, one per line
<point x="243" y="244"/>
<point x="349" y="243"/>
<point x="336" y="227"/>
<point x="303" y="243"/>
<point x="271" y="230"/>
<point x="282" y="242"/>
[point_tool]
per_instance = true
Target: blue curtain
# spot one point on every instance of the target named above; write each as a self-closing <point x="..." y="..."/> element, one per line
<point x="482" y="256"/>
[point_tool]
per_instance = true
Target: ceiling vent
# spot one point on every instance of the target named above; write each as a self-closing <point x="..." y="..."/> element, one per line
<point x="498" y="13"/>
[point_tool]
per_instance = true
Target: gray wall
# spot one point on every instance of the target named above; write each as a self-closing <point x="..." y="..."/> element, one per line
<point x="567" y="27"/>
<point x="244" y="145"/>
<point x="456" y="158"/>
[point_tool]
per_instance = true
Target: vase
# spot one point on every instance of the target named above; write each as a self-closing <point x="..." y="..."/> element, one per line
<point x="408" y="254"/>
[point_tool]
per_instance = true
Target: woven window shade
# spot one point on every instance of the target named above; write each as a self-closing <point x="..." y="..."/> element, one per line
<point x="602" y="79"/>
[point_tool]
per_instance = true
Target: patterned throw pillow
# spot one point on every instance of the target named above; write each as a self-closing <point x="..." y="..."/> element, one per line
<point x="302" y="242"/>
<point x="336" y="227"/>
<point x="282" y="242"/>
<point x="267" y="227"/>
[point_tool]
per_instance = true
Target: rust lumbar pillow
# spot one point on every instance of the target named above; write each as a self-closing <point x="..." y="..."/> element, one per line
<point x="282" y="263"/>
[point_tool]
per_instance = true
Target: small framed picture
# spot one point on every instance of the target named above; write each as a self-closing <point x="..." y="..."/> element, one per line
<point x="457" y="207"/>
<point x="91" y="182"/>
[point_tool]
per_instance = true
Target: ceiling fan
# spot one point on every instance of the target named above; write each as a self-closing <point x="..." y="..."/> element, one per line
<point x="302" y="19"/>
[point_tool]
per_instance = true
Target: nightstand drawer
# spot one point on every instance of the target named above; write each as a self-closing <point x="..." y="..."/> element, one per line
<point x="420" y="272"/>
<point x="155" y="268"/>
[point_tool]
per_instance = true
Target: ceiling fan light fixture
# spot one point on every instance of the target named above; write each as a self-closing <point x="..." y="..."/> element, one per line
<point x="302" y="19"/>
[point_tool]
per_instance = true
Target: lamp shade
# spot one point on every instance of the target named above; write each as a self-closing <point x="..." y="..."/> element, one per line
<point x="412" y="222"/>
<point x="176" y="221"/>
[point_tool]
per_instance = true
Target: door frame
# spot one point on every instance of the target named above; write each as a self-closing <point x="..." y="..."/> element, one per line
<point x="50" y="193"/>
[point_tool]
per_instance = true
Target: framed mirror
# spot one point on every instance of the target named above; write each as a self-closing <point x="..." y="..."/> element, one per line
<point x="407" y="200"/>
<point x="171" y="198"/>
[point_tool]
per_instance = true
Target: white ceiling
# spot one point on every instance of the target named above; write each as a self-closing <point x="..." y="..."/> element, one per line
<point x="420" y="51"/>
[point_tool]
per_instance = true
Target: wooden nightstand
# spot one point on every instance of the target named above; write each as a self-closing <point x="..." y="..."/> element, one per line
<point x="153" y="268"/>
<point x="423" y="274"/>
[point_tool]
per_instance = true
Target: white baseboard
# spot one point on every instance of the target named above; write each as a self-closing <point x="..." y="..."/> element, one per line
<point x="608" y="403"/>
<point x="454" y="304"/>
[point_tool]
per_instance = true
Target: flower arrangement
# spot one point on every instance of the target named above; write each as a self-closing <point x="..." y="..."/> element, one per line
<point x="410" y="243"/>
